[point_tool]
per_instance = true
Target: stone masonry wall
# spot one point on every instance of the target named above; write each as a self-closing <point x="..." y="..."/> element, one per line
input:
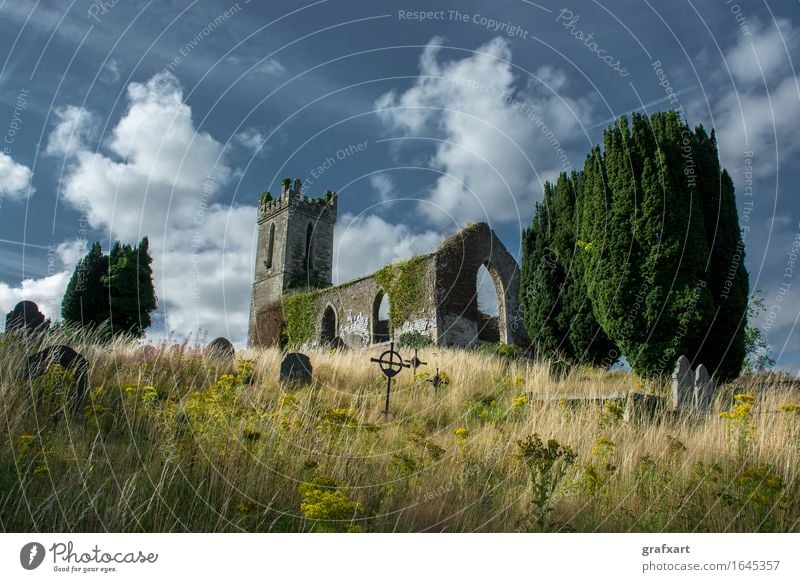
<point x="448" y="312"/>
<point x="457" y="263"/>
<point x="356" y="304"/>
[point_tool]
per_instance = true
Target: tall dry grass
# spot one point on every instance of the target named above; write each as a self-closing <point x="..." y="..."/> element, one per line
<point x="173" y="441"/>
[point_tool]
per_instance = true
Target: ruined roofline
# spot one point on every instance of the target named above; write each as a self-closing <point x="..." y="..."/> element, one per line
<point x="459" y="234"/>
<point x="361" y="278"/>
<point x="447" y="241"/>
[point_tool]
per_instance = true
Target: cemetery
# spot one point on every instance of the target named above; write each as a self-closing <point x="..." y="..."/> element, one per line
<point x="391" y="402"/>
<point x="397" y="402"/>
<point x="385" y="438"/>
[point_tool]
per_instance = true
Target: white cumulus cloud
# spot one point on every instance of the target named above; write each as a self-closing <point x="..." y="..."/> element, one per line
<point x="156" y="175"/>
<point x="15" y="179"/>
<point x="761" y="113"/>
<point x="497" y="135"/>
<point x="383" y="185"/>
<point x="763" y="54"/>
<point x="46" y="291"/>
<point x="363" y="244"/>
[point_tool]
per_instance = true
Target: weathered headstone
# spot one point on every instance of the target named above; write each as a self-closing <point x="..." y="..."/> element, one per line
<point x="221" y="348"/>
<point x="296" y="367"/>
<point x="68" y="359"/>
<point x="703" y="389"/>
<point x="25" y="318"/>
<point x="682" y="384"/>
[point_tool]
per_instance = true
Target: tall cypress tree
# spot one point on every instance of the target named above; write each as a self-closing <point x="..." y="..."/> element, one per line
<point x="723" y="350"/>
<point x="612" y="275"/>
<point x="85" y="300"/>
<point x="115" y="290"/>
<point x="587" y="341"/>
<point x="130" y="287"/>
<point x="558" y="314"/>
<point x="146" y="293"/>
<point x="658" y="257"/>
<point x="541" y="280"/>
<point x="650" y="289"/>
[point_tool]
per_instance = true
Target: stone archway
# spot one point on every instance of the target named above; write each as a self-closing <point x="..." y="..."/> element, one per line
<point x="381" y="330"/>
<point x="458" y="261"/>
<point x="328" y="327"/>
<point x="490" y="298"/>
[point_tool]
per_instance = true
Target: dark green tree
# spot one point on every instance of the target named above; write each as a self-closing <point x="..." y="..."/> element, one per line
<point x="653" y="295"/>
<point x="558" y="313"/>
<point x="659" y="257"/>
<point x="130" y="288"/>
<point x="541" y="280"/>
<point x="85" y="300"/>
<point x="147" y="300"/>
<point x="725" y="346"/>
<point x="113" y="290"/>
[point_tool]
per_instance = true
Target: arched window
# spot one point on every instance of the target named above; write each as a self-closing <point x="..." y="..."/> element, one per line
<point x="328" y="326"/>
<point x="309" y="250"/>
<point x="381" y="331"/>
<point x="271" y="245"/>
<point x="487" y="292"/>
<point x="489" y="300"/>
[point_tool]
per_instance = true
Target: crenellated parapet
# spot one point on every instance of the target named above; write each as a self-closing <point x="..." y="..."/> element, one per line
<point x="324" y="207"/>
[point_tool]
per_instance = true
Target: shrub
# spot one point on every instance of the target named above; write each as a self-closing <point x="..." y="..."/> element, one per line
<point x="327" y="505"/>
<point x="505" y="351"/>
<point x="547" y="465"/>
<point x="413" y="339"/>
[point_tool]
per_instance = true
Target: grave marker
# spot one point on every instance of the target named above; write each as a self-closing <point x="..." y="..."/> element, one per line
<point x="391" y="364"/>
<point x="682" y="384"/>
<point x="296" y="367"/>
<point x="221" y="348"/>
<point x="25" y="318"/>
<point x="68" y="359"/>
<point x="703" y="389"/>
<point x="416" y="362"/>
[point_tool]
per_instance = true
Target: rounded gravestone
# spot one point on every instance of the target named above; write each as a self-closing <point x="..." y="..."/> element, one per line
<point x="25" y="317"/>
<point x="221" y="348"/>
<point x="296" y="368"/>
<point x="68" y="359"/>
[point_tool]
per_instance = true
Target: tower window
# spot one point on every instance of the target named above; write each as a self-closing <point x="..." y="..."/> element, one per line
<point x="309" y="250"/>
<point x="270" y="245"/>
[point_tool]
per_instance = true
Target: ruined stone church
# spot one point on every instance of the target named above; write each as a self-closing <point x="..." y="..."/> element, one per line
<point x="435" y="295"/>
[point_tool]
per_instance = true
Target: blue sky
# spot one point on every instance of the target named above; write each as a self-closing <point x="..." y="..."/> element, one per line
<point x="167" y="119"/>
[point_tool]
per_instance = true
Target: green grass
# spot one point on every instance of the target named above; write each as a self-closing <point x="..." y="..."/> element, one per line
<point x="176" y="442"/>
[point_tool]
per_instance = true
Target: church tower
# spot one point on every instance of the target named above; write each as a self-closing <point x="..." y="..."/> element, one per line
<point x="295" y="251"/>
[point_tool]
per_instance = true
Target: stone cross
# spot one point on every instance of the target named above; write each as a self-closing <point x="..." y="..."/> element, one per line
<point x="682" y="384"/>
<point x="391" y="364"/>
<point x="703" y="389"/>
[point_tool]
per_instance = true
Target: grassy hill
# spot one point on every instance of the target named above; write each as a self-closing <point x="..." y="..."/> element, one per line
<point x="172" y="441"/>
